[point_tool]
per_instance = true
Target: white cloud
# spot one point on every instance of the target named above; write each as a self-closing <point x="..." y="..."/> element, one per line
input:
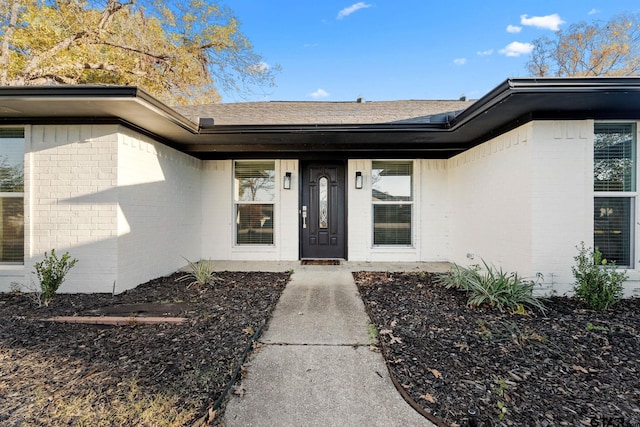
<point x="548" y="22"/>
<point x="513" y="29"/>
<point x="485" y="52"/>
<point x="320" y="93"/>
<point x="594" y="11"/>
<point x="517" y="49"/>
<point x="353" y="8"/>
<point x="460" y="61"/>
<point x="259" y="68"/>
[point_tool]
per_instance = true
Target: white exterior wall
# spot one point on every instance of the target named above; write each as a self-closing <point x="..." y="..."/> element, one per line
<point x="524" y="200"/>
<point x="561" y="199"/>
<point x="490" y="203"/>
<point x="430" y="218"/>
<point x="130" y="208"/>
<point x="218" y="230"/>
<point x="159" y="209"/>
<point x="71" y="202"/>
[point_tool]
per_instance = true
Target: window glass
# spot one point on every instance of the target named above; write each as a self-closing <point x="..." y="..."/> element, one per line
<point x="612" y="228"/>
<point x="614" y="171"/>
<point x="391" y="181"/>
<point x="11" y="195"/>
<point x="255" y="181"/>
<point x="254" y="224"/>
<point x="392" y="198"/>
<point x="614" y="158"/>
<point x="392" y="224"/>
<point x="254" y="194"/>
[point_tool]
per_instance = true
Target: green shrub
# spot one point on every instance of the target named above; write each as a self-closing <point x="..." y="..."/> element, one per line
<point x="51" y="272"/>
<point x="598" y="283"/>
<point x="493" y="287"/>
<point x="458" y="277"/>
<point x="201" y="273"/>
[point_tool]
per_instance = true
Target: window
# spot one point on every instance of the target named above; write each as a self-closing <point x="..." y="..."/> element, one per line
<point x="254" y="195"/>
<point x="12" y="196"/>
<point x="614" y="184"/>
<point x="392" y="198"/>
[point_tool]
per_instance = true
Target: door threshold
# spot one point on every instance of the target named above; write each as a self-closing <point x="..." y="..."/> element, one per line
<point x="321" y="261"/>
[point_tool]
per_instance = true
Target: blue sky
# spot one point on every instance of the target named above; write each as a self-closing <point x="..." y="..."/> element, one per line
<point x="332" y="50"/>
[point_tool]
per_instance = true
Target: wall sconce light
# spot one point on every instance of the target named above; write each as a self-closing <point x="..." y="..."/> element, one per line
<point x="358" y="180"/>
<point x="286" y="182"/>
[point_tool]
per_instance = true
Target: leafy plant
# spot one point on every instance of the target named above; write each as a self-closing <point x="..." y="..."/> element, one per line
<point x="493" y="287"/>
<point x="458" y="277"/>
<point x="598" y="282"/>
<point x="201" y="273"/>
<point x="51" y="272"/>
<point x="591" y="327"/>
<point x="500" y="391"/>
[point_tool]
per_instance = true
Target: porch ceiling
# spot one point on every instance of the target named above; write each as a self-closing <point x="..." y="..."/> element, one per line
<point x="514" y="102"/>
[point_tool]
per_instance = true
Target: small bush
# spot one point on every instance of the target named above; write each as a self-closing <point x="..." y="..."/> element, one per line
<point x="493" y="287"/>
<point x="51" y="272"/>
<point x="201" y="273"/>
<point x="458" y="277"/>
<point x="598" y="283"/>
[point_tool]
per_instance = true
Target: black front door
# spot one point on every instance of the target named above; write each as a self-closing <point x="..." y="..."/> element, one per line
<point x="323" y="210"/>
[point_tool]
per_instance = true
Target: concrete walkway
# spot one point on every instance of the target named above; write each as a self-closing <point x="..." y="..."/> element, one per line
<point x="316" y="368"/>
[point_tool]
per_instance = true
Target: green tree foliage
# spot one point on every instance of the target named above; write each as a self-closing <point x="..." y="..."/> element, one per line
<point x="180" y="52"/>
<point x="590" y="49"/>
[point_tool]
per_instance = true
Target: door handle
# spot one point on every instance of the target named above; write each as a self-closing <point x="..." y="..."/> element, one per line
<point x="304" y="217"/>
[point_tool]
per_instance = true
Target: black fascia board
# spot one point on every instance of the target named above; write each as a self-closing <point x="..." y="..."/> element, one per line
<point x="545" y="85"/>
<point x="97" y="93"/>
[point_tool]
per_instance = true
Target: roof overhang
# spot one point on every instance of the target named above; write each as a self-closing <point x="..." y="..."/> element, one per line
<point x="511" y="104"/>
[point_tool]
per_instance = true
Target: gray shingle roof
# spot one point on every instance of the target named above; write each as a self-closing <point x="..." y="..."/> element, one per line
<point x="306" y="113"/>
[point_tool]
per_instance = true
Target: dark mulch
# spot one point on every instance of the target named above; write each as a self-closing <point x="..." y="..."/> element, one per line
<point x="193" y="361"/>
<point x="570" y="367"/>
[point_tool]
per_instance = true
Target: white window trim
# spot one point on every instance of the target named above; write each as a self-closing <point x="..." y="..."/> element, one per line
<point x="633" y="244"/>
<point x="22" y="194"/>
<point x="411" y="202"/>
<point x="234" y="207"/>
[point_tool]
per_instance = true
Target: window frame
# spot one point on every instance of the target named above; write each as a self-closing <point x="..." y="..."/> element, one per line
<point x="16" y="194"/>
<point x="631" y="196"/>
<point x="236" y="202"/>
<point x="410" y="202"/>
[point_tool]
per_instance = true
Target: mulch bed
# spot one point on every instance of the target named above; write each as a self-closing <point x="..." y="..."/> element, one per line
<point x="44" y="363"/>
<point x="570" y="367"/>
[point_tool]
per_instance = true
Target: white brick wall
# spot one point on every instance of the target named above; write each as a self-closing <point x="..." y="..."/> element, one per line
<point x="159" y="209"/>
<point x="430" y="209"/>
<point x="125" y="206"/>
<point x="524" y="201"/>
<point x="561" y="198"/>
<point x="490" y="202"/>
<point x="130" y="208"/>
<point x="218" y="241"/>
<point x="71" y="200"/>
<point x="359" y="220"/>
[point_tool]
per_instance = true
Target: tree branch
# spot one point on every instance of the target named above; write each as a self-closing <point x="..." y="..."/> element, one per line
<point x="158" y="57"/>
<point x="8" y="33"/>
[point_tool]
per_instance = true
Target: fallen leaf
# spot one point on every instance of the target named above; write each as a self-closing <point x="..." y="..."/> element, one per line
<point x="436" y="373"/>
<point x="429" y="398"/>
<point x="385" y="331"/>
<point x="394" y="340"/>
<point x="580" y="368"/>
